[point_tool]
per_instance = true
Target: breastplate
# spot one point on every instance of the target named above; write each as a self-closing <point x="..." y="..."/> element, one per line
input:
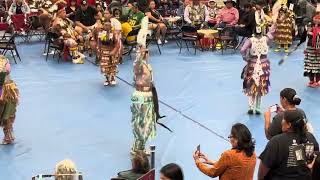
<point x="259" y="46"/>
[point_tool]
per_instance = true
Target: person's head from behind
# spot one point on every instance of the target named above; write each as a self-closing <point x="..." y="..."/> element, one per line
<point x="289" y="98"/>
<point x="294" y="121"/>
<point x="241" y="139"/>
<point x="248" y="7"/>
<point x="65" y="167"/>
<point x="171" y="172"/>
<point x="152" y="5"/>
<point x="140" y="163"/>
<point x="259" y="5"/>
<point x="84" y="5"/>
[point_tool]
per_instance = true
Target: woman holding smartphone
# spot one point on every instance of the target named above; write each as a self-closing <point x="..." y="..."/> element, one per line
<point x="238" y="162"/>
<point x="288" y="100"/>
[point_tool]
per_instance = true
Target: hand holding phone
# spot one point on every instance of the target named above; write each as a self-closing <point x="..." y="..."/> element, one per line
<point x="198" y="149"/>
<point x="274" y="108"/>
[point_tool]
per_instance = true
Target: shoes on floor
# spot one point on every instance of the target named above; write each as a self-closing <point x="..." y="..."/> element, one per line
<point x="106" y="83"/>
<point x="113" y="83"/>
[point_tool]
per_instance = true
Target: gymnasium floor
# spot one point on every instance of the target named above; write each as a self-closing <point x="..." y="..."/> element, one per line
<point x="66" y="112"/>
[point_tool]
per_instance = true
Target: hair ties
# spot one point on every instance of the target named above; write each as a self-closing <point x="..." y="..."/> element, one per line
<point x="295" y="97"/>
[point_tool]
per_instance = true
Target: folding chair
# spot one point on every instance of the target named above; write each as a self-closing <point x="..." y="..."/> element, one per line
<point x="152" y="38"/>
<point x="227" y="38"/>
<point x="20" y="26"/>
<point x="9" y="45"/>
<point x="189" y="35"/>
<point x="149" y="175"/>
<point x="51" y="45"/>
<point x="131" y="44"/>
<point x="34" y="26"/>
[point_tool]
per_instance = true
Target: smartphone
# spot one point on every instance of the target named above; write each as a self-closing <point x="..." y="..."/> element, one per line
<point x="198" y="148"/>
<point x="274" y="108"/>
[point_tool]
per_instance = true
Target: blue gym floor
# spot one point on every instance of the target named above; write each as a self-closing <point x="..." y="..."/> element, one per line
<point x="66" y="112"/>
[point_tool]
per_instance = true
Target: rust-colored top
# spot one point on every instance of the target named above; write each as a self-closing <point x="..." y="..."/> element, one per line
<point x="232" y="165"/>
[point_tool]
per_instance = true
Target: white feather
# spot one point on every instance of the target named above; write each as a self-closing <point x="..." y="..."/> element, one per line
<point x="143" y="32"/>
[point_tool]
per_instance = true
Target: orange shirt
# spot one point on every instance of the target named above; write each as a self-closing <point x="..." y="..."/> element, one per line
<point x="232" y="165"/>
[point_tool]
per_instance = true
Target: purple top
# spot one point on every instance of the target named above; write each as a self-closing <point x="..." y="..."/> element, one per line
<point x="247" y="45"/>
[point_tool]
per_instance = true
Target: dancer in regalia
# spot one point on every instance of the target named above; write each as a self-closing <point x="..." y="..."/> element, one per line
<point x="143" y="111"/>
<point x="312" y="53"/>
<point x="109" y="45"/>
<point x="285" y="28"/>
<point x="256" y="74"/>
<point x="8" y="101"/>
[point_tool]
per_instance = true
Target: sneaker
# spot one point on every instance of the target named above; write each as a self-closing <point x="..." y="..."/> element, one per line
<point x="315" y="85"/>
<point x="310" y="84"/>
<point x="159" y="41"/>
<point x="113" y="83"/>
<point x="106" y="83"/>
<point x="165" y="41"/>
<point x="258" y="112"/>
<point x="286" y="50"/>
<point x="277" y="50"/>
<point x="250" y="111"/>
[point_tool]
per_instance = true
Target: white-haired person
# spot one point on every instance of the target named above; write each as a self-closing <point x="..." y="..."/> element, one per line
<point x="66" y="170"/>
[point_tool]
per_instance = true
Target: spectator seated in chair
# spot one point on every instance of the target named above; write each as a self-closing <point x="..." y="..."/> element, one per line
<point x="228" y="15"/>
<point x="85" y="20"/>
<point x="71" y="10"/>
<point x="247" y="22"/>
<point x="18" y="7"/>
<point x="196" y="15"/>
<point x="140" y="166"/>
<point x="213" y="12"/>
<point x="133" y="22"/>
<point x="64" y="26"/>
<point x="156" y="22"/>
